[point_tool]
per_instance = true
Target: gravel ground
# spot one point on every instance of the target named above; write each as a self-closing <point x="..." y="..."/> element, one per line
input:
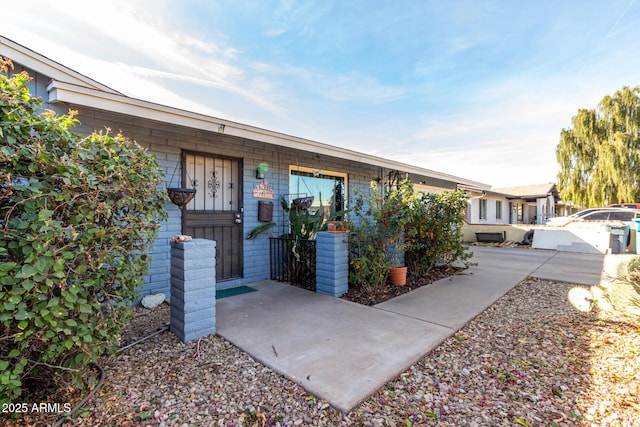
<point x="531" y="359"/>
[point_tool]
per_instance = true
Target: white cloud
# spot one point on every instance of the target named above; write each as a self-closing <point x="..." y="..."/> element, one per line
<point x="205" y="47"/>
<point x="354" y="87"/>
<point x="141" y="38"/>
<point x="348" y="88"/>
<point x="498" y="126"/>
<point x="508" y="138"/>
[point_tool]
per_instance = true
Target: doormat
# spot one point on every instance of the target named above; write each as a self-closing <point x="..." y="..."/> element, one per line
<point x="223" y="293"/>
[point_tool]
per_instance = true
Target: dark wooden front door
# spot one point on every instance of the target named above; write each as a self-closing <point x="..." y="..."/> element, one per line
<point x="215" y="212"/>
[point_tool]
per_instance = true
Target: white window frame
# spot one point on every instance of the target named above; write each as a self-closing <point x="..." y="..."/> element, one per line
<point x="483" y="209"/>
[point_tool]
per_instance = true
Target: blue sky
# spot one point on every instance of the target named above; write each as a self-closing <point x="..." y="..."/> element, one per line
<point x="477" y="89"/>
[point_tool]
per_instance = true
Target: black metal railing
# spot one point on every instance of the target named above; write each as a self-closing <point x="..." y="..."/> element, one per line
<point x="293" y="261"/>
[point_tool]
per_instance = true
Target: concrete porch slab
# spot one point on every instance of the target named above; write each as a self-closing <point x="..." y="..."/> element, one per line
<point x="340" y="351"/>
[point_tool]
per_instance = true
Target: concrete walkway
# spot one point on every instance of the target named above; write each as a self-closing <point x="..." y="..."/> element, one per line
<point x="343" y="352"/>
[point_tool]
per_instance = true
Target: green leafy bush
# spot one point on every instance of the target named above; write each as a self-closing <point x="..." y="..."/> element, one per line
<point x="368" y="262"/>
<point x="434" y="232"/>
<point x="396" y="210"/>
<point x="78" y="216"/>
<point x="423" y="229"/>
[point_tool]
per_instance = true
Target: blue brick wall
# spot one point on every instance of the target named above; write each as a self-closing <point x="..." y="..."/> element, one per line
<point x="332" y="263"/>
<point x="193" y="289"/>
<point x="167" y="143"/>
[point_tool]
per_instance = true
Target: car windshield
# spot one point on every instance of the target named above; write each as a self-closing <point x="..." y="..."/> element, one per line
<point x="619" y="214"/>
<point x="584" y="212"/>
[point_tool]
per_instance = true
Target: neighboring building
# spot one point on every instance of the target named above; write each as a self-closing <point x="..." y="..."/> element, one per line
<point x="530" y="204"/>
<point x="220" y="158"/>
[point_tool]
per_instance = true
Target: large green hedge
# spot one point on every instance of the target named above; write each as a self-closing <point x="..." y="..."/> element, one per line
<point x="77" y="215"/>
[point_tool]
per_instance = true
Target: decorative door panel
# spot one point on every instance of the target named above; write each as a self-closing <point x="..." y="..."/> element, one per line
<point x="215" y="212"/>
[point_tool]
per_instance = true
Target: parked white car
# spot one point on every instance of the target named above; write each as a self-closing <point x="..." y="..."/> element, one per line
<point x="626" y="215"/>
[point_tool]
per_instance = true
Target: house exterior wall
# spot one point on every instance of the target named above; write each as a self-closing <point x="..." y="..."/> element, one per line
<point x="166" y="142"/>
<point x="538" y="211"/>
<point x="545" y="209"/>
<point x="528" y="211"/>
<point x="38" y="83"/>
<point x="432" y="185"/>
<point x="533" y="212"/>
<point x="473" y="215"/>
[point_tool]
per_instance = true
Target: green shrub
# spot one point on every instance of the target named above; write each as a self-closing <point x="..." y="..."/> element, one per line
<point x="424" y="229"/>
<point x="78" y="216"/>
<point x="368" y="264"/>
<point x="434" y="232"/>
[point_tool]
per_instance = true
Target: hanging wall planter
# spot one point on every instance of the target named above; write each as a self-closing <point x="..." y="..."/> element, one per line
<point x="303" y="203"/>
<point x="181" y="196"/>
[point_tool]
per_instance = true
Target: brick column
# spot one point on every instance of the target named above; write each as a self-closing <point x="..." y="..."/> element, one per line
<point x="332" y="263"/>
<point x="193" y="289"/>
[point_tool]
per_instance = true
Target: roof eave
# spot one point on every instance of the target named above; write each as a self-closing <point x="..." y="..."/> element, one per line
<point x="541" y="196"/>
<point x="30" y="59"/>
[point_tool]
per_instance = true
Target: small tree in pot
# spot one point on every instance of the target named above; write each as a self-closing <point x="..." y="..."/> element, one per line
<point x="377" y="244"/>
<point x="395" y="213"/>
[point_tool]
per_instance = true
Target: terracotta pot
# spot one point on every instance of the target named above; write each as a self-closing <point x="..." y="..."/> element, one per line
<point x="337" y="227"/>
<point x="398" y="276"/>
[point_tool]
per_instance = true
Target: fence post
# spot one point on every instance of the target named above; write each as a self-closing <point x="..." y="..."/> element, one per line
<point x="332" y="263"/>
<point x="193" y="289"/>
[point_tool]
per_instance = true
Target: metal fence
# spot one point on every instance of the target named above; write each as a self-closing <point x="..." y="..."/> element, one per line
<point x="293" y="261"/>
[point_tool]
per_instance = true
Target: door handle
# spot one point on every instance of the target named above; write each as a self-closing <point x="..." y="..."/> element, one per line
<point x="238" y="219"/>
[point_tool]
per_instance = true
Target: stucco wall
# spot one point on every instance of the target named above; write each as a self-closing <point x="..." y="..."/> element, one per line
<point x="546" y="208"/>
<point x="474" y="205"/>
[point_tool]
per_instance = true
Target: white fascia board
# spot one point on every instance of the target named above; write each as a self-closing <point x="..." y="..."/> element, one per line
<point x="43" y="65"/>
<point x="79" y="95"/>
<point x="473" y="187"/>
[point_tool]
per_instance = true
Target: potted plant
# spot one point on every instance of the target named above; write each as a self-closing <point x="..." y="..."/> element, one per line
<point x="378" y="241"/>
<point x="395" y="214"/>
<point x="338" y="226"/>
